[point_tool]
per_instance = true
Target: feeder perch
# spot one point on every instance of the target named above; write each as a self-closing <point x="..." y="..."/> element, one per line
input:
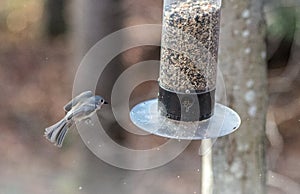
<point x="186" y="107"/>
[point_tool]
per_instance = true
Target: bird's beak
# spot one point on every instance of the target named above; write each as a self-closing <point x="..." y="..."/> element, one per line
<point x="105" y="102"/>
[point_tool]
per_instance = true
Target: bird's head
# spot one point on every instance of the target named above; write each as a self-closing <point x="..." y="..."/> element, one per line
<point x="100" y="101"/>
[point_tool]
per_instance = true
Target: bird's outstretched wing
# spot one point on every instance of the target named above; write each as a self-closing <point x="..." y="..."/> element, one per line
<point x="81" y="112"/>
<point x="78" y="99"/>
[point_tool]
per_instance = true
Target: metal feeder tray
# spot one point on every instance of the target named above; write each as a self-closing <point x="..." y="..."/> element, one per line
<point x="146" y="116"/>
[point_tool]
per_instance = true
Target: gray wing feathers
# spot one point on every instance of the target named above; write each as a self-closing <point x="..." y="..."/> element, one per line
<point x="81" y="112"/>
<point x="78" y="99"/>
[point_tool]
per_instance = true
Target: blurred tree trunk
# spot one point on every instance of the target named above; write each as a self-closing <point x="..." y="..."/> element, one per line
<point x="93" y="20"/>
<point x="238" y="160"/>
<point x="55" y="17"/>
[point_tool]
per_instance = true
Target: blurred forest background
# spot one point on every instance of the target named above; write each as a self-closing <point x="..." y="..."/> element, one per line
<point x="38" y="61"/>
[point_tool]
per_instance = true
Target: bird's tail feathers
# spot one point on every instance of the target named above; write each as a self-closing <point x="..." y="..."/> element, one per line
<point x="56" y="133"/>
<point x="61" y="136"/>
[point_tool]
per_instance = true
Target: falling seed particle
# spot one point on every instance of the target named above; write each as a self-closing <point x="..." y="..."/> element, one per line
<point x="246" y="13"/>
<point x="236" y="87"/>
<point x="245" y="33"/>
<point x="252" y="111"/>
<point x="263" y="55"/>
<point x="236" y="32"/>
<point x="247" y="50"/>
<point x="250" y="83"/>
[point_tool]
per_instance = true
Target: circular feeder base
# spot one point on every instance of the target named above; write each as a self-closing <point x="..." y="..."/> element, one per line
<point x="146" y="116"/>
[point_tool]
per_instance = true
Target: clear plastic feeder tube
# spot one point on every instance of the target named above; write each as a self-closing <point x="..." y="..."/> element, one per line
<point x="189" y="57"/>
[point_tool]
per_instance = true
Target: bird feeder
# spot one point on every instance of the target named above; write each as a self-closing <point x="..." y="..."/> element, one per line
<point x="186" y="107"/>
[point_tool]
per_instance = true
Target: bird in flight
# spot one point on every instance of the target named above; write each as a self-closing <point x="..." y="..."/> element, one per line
<point x="80" y="108"/>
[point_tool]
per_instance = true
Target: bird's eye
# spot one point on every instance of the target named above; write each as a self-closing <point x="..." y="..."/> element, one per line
<point x="101" y="100"/>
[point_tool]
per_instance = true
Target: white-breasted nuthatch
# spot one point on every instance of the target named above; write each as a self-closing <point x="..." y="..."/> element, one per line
<point x="80" y="108"/>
